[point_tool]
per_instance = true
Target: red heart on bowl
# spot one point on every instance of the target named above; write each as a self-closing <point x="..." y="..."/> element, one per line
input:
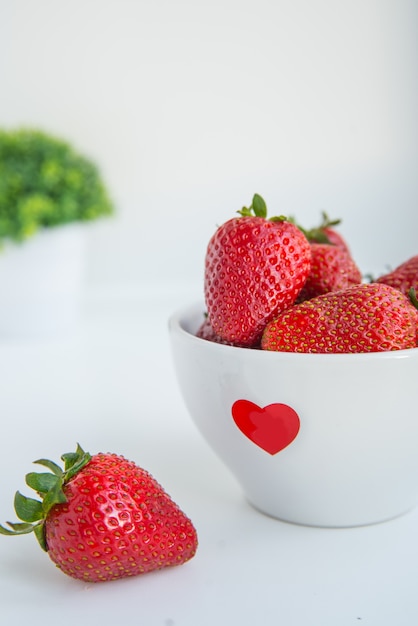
<point x="272" y="428"/>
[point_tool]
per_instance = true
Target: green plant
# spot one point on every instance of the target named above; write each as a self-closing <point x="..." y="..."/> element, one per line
<point x="44" y="182"/>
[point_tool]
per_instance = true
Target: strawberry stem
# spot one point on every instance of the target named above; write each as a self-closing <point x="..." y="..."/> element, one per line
<point x="49" y="487"/>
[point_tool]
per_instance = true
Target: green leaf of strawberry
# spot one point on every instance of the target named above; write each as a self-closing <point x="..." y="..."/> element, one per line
<point x="55" y="469"/>
<point x="326" y="232"/>
<point x="16" y="529"/>
<point x="74" y="461"/>
<point x="41" y="483"/>
<point x="259" y="206"/>
<point x="53" y="496"/>
<point x="413" y="297"/>
<point x="28" y="509"/>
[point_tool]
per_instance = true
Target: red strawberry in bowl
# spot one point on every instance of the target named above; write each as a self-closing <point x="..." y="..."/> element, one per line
<point x="363" y="318"/>
<point x="403" y="277"/>
<point x="254" y="268"/>
<point x="103" y="518"/>
<point x="332" y="269"/>
<point x="205" y="331"/>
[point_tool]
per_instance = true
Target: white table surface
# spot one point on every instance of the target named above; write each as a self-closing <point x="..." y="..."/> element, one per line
<point x="111" y="386"/>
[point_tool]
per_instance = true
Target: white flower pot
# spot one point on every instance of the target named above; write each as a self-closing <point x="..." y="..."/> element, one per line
<point x="41" y="281"/>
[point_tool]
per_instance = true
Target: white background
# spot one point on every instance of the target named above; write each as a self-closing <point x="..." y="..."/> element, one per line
<point x="189" y="107"/>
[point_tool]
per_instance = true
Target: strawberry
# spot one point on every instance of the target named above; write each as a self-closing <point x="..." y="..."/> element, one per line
<point x="103" y="518"/>
<point x="254" y="268"/>
<point x="362" y="318"/>
<point x="403" y="277"/>
<point x="332" y="269"/>
<point x="205" y="331"/>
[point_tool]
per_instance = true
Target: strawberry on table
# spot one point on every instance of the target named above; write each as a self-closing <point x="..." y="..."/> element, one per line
<point x="403" y="277"/>
<point x="102" y="518"/>
<point x="254" y="268"/>
<point x="364" y="318"/>
<point x="332" y="269"/>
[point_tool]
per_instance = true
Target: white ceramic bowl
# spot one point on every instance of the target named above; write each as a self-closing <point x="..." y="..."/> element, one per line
<point x="316" y="439"/>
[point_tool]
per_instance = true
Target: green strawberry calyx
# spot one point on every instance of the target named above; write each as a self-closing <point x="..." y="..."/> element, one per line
<point x="49" y="486"/>
<point x="258" y="208"/>
<point x="318" y="233"/>
<point x="413" y="297"/>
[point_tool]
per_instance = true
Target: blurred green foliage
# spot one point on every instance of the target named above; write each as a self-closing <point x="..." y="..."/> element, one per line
<point x="44" y="183"/>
